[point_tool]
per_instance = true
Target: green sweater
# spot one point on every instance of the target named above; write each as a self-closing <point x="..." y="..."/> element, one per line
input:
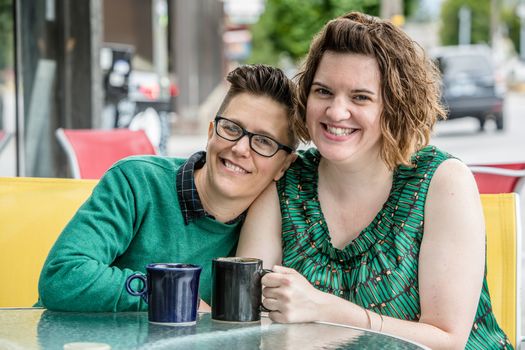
<point x="133" y="218"/>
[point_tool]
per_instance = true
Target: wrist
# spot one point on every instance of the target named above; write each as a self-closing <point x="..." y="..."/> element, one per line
<point x="375" y="320"/>
<point x="323" y="307"/>
<point x="368" y="317"/>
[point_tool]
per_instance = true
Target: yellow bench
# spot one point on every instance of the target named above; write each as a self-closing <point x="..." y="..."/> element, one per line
<point x="33" y="212"/>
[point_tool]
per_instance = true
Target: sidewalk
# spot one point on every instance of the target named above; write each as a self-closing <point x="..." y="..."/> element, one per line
<point x="183" y="146"/>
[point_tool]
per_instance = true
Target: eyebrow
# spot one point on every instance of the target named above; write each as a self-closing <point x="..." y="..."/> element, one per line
<point x="258" y="132"/>
<point x="359" y="91"/>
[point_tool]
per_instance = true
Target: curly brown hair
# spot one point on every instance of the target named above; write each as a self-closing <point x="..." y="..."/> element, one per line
<point x="410" y="85"/>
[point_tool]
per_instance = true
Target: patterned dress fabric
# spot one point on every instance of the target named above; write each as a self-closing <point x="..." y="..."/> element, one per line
<point x="379" y="269"/>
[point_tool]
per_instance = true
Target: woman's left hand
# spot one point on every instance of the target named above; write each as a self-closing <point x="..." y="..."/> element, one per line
<point x="290" y="297"/>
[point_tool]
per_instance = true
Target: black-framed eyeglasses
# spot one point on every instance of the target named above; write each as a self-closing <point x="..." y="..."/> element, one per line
<point x="260" y="144"/>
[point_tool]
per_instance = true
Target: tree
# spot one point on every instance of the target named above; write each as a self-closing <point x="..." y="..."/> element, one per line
<point x="480" y="16"/>
<point x="512" y="24"/>
<point x="6" y="34"/>
<point x="287" y="26"/>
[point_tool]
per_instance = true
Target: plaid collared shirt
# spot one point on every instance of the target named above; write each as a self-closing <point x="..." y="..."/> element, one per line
<point x="190" y="202"/>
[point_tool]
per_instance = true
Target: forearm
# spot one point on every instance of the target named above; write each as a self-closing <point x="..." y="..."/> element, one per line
<point x="80" y="284"/>
<point x="337" y="310"/>
<point x="261" y="232"/>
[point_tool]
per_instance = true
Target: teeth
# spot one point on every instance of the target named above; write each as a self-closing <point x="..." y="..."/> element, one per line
<point x="338" y="131"/>
<point x="234" y="167"/>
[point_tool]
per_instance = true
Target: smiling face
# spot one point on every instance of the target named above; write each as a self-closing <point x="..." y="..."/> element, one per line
<point x="233" y="169"/>
<point x="344" y="107"/>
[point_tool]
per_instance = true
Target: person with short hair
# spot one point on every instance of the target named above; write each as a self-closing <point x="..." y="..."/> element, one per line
<point x="374" y="227"/>
<point x="150" y="209"/>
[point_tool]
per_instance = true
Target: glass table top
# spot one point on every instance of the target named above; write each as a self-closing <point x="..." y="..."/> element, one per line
<point x="43" y="329"/>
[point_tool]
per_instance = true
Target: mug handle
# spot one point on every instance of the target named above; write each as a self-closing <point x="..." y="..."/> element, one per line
<point x="263" y="272"/>
<point x="141" y="293"/>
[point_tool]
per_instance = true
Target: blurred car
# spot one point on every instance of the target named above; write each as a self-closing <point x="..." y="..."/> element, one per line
<point x="470" y="87"/>
<point x="147" y="86"/>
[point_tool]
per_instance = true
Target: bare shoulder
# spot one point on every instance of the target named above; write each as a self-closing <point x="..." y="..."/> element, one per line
<point x="453" y="204"/>
<point x="452" y="177"/>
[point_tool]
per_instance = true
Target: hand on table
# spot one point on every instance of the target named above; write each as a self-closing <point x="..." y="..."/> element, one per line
<point x="290" y="297"/>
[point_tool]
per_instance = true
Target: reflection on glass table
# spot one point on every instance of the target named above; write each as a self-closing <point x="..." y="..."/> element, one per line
<point x="43" y="329"/>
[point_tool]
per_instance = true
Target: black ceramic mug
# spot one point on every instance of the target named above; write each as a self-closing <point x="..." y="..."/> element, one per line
<point x="171" y="291"/>
<point x="236" y="289"/>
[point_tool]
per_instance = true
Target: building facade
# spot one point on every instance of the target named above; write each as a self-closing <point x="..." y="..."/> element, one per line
<point x="54" y="68"/>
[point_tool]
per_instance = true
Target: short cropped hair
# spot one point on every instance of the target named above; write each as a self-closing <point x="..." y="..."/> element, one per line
<point x="410" y="82"/>
<point x="264" y="80"/>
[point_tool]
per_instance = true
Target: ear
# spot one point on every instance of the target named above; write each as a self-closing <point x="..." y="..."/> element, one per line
<point x="210" y="134"/>
<point x="210" y="130"/>
<point x="287" y="162"/>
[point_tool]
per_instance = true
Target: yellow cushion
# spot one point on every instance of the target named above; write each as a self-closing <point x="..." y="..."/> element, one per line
<point x="501" y="221"/>
<point x="33" y="212"/>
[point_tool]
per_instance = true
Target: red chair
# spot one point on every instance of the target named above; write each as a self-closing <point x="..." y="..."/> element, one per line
<point x="499" y="178"/>
<point x="91" y="152"/>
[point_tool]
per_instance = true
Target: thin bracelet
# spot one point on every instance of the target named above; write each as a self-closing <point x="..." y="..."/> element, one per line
<point x="381" y="326"/>
<point x="368" y="317"/>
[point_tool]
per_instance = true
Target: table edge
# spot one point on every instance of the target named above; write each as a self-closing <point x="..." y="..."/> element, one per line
<point x="373" y="331"/>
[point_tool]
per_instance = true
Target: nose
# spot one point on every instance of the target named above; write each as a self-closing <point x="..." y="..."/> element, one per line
<point x="338" y="109"/>
<point x="242" y="146"/>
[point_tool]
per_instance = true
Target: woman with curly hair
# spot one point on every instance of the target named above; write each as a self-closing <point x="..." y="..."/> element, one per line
<point x="374" y="227"/>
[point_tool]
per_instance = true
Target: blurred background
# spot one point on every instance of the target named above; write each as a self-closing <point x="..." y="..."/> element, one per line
<point x="160" y="64"/>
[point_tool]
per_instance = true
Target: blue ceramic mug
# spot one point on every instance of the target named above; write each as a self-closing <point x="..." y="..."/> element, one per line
<point x="171" y="291"/>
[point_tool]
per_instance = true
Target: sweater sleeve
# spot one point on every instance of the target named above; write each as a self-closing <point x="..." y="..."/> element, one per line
<point x="78" y="274"/>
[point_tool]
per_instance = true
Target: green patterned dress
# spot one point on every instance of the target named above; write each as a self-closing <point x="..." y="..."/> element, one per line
<point x="379" y="269"/>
